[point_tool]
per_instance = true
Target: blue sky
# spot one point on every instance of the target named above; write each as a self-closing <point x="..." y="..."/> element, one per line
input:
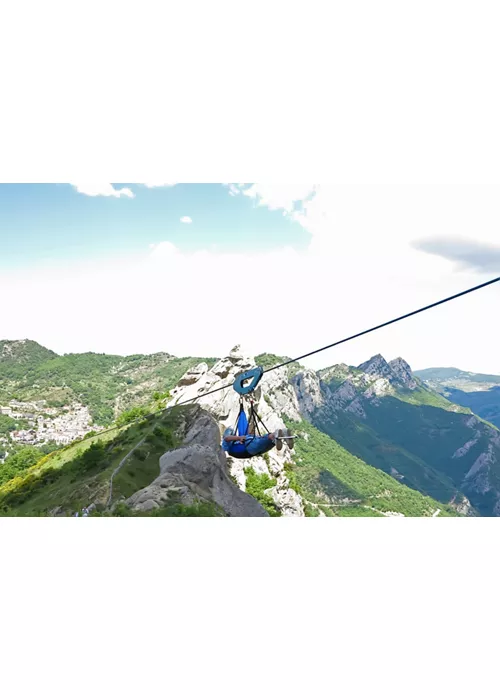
<point x="55" y="221"/>
<point x="113" y="269"/>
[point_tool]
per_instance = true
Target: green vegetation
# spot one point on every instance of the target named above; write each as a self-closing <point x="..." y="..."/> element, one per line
<point x="18" y="462"/>
<point x="202" y="509"/>
<point x="417" y="441"/>
<point x="483" y="403"/>
<point x="311" y="511"/>
<point x="256" y="486"/>
<point x="424" y="397"/>
<point x="107" y="384"/>
<point x="79" y="474"/>
<point x="8" y="424"/>
<point x="478" y="392"/>
<point x="267" y="360"/>
<point x="18" y="355"/>
<point x="343" y="485"/>
<point x="131" y="415"/>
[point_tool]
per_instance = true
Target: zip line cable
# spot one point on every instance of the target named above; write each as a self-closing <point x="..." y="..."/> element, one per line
<point x="388" y="323"/>
<point x="314" y="352"/>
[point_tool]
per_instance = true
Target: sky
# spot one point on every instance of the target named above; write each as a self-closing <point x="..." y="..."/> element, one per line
<point x="194" y="269"/>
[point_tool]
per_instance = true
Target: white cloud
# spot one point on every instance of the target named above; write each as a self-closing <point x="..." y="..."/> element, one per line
<point x="186" y="220"/>
<point x="359" y="270"/>
<point x="107" y="190"/>
<point x="103" y="190"/>
<point x="155" y="184"/>
<point x="276" y="196"/>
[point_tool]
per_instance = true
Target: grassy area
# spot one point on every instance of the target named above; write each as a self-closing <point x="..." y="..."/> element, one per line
<point x="79" y="475"/>
<point x="326" y="473"/>
<point x="424" y="397"/>
<point x="267" y="360"/>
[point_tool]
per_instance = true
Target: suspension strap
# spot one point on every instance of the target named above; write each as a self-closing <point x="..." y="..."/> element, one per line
<point x="258" y="420"/>
<point x="253" y="414"/>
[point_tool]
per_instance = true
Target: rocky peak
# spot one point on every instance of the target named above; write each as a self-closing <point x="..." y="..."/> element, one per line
<point x="396" y="371"/>
<point x="376" y="365"/>
<point x="402" y="370"/>
<point x="337" y="372"/>
<point x="238" y="353"/>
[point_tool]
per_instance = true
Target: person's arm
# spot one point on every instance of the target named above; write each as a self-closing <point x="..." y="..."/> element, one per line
<point x="235" y="438"/>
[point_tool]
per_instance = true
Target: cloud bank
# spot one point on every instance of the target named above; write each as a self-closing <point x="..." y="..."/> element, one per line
<point x="470" y="255"/>
<point x="103" y="190"/>
<point x="361" y="268"/>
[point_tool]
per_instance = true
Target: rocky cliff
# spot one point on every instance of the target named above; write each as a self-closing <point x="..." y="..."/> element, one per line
<point x="196" y="471"/>
<point x="275" y="398"/>
<point x="384" y="414"/>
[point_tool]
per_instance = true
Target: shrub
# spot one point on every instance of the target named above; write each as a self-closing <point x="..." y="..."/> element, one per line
<point x="256" y="485"/>
<point x="131" y="415"/>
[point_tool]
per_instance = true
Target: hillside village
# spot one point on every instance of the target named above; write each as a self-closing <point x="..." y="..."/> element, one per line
<point x="47" y="425"/>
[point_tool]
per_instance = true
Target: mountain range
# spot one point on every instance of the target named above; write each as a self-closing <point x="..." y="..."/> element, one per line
<point x="479" y="392"/>
<point x="376" y="439"/>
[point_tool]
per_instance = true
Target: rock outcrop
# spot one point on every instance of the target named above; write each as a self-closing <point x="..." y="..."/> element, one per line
<point x="197" y="471"/>
<point x="275" y="399"/>
<point x="402" y="371"/>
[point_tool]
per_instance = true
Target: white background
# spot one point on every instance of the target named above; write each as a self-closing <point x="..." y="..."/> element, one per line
<point x="347" y="93"/>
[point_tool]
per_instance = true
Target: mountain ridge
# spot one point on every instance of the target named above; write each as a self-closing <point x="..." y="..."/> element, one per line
<point x="478" y="392"/>
<point x="379" y="413"/>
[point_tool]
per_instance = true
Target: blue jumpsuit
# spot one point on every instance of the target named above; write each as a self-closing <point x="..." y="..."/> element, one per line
<point x="253" y="446"/>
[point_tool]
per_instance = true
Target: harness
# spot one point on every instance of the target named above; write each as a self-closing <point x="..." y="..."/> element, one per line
<point x="239" y="450"/>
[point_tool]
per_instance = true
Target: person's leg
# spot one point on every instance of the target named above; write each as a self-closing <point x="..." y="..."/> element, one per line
<point x="260" y="445"/>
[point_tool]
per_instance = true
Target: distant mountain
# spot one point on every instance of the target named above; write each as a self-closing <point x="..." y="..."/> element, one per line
<point x="479" y="392"/>
<point x="17" y="354"/>
<point x="383" y="414"/>
<point x="106" y="384"/>
<point x="456" y="377"/>
<point x="354" y="423"/>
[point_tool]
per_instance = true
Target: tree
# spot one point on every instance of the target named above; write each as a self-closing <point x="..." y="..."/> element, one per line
<point x="94" y="457"/>
<point x="131" y="415"/>
<point x="19" y="462"/>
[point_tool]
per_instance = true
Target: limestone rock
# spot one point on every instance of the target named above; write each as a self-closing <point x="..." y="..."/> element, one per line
<point x="402" y="370"/>
<point x="275" y="398"/>
<point x="197" y="471"/>
<point x="376" y="365"/>
<point x="308" y="392"/>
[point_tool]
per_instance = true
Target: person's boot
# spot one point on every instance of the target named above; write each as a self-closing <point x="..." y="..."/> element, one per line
<point x="279" y="441"/>
<point x="289" y="439"/>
